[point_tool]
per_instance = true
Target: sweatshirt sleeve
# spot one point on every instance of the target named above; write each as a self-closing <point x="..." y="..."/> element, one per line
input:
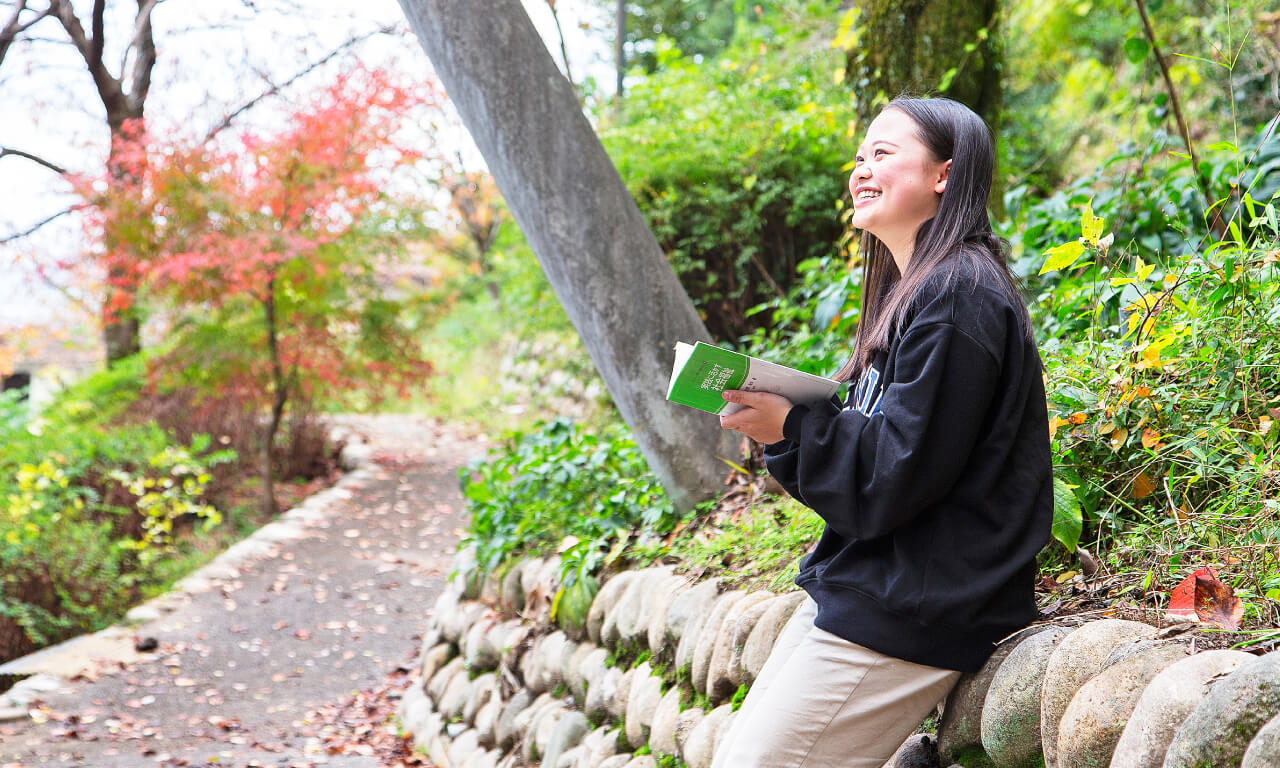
<point x="865" y="476"/>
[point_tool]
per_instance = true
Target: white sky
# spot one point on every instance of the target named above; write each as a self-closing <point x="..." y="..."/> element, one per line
<point x="211" y="57"/>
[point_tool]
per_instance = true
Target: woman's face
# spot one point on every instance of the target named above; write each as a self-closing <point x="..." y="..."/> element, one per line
<point x="896" y="182"/>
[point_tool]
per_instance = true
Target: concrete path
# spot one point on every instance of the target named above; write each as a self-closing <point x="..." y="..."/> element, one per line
<point x="286" y="652"/>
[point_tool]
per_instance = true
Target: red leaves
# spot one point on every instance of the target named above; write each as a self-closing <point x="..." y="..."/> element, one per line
<point x="275" y="238"/>
<point x="1201" y="597"/>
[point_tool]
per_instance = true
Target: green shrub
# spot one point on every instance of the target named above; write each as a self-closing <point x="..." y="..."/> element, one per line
<point x="560" y="488"/>
<point x="88" y="506"/>
<point x="1163" y="410"/>
<point x="736" y="164"/>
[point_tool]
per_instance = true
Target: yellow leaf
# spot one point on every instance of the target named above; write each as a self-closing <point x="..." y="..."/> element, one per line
<point x="1065" y="576"/>
<point x="1090" y="225"/>
<point x="1180" y="513"/>
<point x="1106" y="428"/>
<point x="1062" y="256"/>
<point x="1077" y="418"/>
<point x="1118" y="438"/>
<point x="1264" y="425"/>
<point x="1144" y="270"/>
<point x="1054" y="423"/>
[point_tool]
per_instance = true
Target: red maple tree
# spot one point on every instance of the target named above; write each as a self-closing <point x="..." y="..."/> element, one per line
<point x="270" y="252"/>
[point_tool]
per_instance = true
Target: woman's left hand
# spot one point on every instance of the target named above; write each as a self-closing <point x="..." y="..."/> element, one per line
<point x="761" y="419"/>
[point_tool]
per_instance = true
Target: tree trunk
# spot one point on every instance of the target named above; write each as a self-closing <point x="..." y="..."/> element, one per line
<point x="120" y="332"/>
<point x="279" y="396"/>
<point x="121" y="320"/>
<point x="914" y="45"/>
<point x="590" y="238"/>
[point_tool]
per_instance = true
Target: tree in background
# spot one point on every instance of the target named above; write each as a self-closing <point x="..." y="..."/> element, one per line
<point x="270" y="251"/>
<point x="699" y="28"/>
<point x="476" y="208"/>
<point x="123" y="96"/>
<point x="949" y="47"/>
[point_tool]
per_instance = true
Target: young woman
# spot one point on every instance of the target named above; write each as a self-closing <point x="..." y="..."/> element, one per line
<point x="933" y="477"/>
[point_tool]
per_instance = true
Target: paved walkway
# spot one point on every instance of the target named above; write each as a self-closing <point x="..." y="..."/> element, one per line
<point x="287" y="658"/>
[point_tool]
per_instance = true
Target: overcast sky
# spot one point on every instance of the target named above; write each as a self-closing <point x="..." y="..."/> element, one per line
<point x="211" y="58"/>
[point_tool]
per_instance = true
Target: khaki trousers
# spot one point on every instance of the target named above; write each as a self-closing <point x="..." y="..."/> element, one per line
<point x="821" y="701"/>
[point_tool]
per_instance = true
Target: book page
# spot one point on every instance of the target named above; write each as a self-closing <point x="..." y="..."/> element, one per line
<point x="796" y="386"/>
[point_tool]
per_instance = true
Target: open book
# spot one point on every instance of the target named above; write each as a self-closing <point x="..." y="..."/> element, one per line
<point x="703" y="371"/>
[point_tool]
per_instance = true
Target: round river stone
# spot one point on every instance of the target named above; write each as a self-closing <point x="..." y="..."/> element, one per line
<point x="1011" y="710"/>
<point x="960" y="728"/>
<point x="707" y="638"/>
<point x="1077" y="658"/>
<point x="1264" y="750"/>
<point x="1165" y="704"/>
<point x="1217" y="732"/>
<point x="1098" y="712"/>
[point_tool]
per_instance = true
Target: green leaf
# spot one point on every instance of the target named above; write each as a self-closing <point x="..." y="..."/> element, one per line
<point x="947" y="77"/>
<point x="1068" y="522"/>
<point x="1062" y="256"/>
<point x="1136" y="49"/>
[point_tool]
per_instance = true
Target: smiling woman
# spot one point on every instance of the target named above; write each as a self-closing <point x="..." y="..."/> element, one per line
<point x="895" y="185"/>
<point x="933" y="478"/>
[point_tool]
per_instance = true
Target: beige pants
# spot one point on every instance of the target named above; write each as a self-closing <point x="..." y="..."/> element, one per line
<point x="823" y="701"/>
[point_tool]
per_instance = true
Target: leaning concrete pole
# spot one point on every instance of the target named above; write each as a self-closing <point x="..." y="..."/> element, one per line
<point x="602" y="260"/>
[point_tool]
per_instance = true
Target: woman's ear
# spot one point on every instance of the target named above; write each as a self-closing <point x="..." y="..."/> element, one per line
<point x="941" y="184"/>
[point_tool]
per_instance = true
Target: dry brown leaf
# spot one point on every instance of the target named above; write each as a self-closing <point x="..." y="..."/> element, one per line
<point x="1202" y="597"/>
<point x="1143" y="486"/>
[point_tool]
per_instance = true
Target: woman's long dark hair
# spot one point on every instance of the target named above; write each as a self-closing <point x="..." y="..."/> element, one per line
<point x="960" y="231"/>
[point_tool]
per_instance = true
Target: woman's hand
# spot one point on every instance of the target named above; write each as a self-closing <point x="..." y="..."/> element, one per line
<point x="761" y="419"/>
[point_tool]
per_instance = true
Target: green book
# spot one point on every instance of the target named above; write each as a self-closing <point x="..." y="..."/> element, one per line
<point x="703" y="371"/>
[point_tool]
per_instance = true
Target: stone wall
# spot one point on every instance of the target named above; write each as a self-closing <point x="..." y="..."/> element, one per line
<point x="651" y="677"/>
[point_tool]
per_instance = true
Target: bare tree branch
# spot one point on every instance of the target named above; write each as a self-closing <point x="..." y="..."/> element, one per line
<point x="145" y="45"/>
<point x="141" y="28"/>
<point x="99" y="34"/>
<point x="91" y="51"/>
<point x="33" y="158"/>
<point x="276" y="88"/>
<point x="34" y="227"/>
<point x="71" y="24"/>
<point x="15" y="26"/>
<point x="84" y="306"/>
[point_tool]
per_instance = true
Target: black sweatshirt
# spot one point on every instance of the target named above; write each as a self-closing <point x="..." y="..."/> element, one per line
<point x="934" y="479"/>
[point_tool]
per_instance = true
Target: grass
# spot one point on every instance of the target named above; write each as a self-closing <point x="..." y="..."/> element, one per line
<point x="750" y="541"/>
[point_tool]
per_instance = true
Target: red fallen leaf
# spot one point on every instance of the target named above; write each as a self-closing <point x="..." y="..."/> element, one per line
<point x="1202" y="597"/>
